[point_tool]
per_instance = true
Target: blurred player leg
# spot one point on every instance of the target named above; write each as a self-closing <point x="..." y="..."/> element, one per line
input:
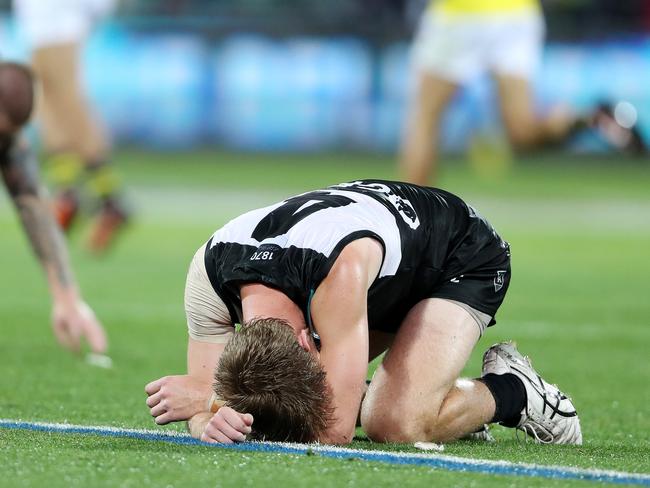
<point x="525" y="128"/>
<point x="517" y="40"/>
<point x="72" y="134"/>
<point x="421" y="138"/>
<point x="446" y="53"/>
<point x="64" y="108"/>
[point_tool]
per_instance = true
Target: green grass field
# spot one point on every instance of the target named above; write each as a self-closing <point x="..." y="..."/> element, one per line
<point x="578" y="305"/>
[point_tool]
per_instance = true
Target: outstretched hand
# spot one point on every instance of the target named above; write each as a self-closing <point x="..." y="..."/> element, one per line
<point x="73" y="321"/>
<point x="173" y="398"/>
<point x="227" y="426"/>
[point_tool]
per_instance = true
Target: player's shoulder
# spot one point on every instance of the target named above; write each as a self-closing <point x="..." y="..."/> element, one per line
<point x="360" y="257"/>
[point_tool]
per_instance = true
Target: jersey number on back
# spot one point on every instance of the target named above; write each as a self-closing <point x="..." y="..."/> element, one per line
<point x="293" y="210"/>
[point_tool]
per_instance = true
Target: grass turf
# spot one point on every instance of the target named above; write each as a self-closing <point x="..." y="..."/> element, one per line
<point x="580" y="233"/>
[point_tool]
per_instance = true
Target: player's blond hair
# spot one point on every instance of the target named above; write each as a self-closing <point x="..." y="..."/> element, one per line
<point x="265" y="372"/>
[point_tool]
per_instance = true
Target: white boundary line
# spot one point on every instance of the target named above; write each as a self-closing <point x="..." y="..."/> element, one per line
<point x="452" y="463"/>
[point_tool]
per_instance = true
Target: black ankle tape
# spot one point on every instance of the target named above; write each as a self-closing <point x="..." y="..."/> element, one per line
<point x="509" y="395"/>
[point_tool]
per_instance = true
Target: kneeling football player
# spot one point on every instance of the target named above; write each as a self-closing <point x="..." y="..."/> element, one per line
<point x="326" y="281"/>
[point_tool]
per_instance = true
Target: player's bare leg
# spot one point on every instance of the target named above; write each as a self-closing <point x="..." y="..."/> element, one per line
<point x="77" y="142"/>
<point x="525" y="128"/>
<point x="68" y="122"/>
<point x="416" y="393"/>
<point x="420" y="144"/>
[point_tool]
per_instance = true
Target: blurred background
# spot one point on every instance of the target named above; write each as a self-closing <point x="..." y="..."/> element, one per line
<point x="259" y="75"/>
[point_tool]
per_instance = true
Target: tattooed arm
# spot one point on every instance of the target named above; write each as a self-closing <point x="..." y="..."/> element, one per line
<point x="72" y="319"/>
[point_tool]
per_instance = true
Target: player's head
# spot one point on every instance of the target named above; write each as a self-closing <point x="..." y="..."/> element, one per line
<point x="264" y="371"/>
<point x="16" y="96"/>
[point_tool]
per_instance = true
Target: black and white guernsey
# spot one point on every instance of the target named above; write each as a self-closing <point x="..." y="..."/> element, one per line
<point x="430" y="237"/>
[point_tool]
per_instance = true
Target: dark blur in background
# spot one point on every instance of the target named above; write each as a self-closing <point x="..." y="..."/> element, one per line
<point x="310" y="75"/>
<point x="376" y="20"/>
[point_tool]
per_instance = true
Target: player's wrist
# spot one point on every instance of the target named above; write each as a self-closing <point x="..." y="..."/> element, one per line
<point x="196" y="424"/>
<point x="64" y="293"/>
<point x="214" y="403"/>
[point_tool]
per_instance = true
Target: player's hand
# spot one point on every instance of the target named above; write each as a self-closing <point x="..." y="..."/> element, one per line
<point x="74" y="320"/>
<point x="227" y="426"/>
<point x="173" y="398"/>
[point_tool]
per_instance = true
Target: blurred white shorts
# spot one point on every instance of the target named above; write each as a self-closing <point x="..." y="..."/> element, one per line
<point x="50" y="22"/>
<point x="460" y="47"/>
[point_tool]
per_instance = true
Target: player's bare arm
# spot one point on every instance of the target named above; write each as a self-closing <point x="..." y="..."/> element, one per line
<point x="72" y="319"/>
<point x="227" y="425"/>
<point x="19" y="174"/>
<point x="189" y="397"/>
<point x="339" y="312"/>
<point x="181" y="397"/>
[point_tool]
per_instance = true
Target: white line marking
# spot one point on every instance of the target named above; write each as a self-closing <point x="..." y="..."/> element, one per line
<point x="452" y="463"/>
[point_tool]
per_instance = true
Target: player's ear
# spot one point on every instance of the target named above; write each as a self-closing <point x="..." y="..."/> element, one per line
<point x="303" y="340"/>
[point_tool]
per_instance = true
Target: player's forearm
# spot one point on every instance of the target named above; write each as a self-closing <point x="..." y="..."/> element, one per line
<point x="47" y="243"/>
<point x="202" y="360"/>
<point x="347" y="386"/>
<point x="20" y="176"/>
<point x="342" y="426"/>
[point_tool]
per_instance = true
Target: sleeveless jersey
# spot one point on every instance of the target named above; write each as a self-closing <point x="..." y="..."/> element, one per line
<point x="428" y="235"/>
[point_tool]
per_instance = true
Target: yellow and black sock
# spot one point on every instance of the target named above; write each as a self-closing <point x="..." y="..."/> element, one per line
<point x="102" y="180"/>
<point x="64" y="170"/>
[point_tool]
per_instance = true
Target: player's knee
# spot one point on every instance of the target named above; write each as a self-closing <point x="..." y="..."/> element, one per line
<point x="401" y="426"/>
<point x="389" y="428"/>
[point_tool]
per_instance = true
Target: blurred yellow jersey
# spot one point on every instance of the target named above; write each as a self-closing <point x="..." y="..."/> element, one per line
<point x="483" y="6"/>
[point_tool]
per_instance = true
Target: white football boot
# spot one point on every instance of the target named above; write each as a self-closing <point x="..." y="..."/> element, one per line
<point x="549" y="415"/>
